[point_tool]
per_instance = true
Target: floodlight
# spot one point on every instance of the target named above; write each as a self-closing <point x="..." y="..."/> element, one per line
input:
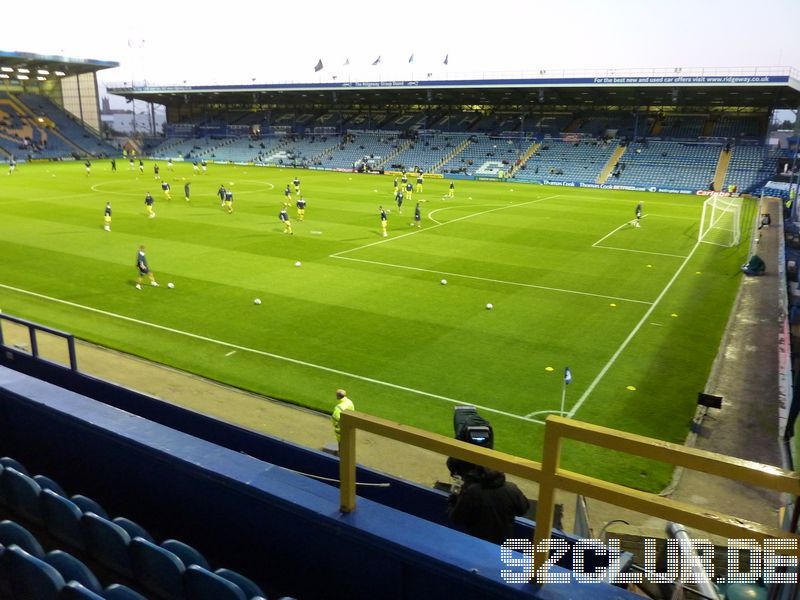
<point x="22" y="77"/>
<point x="43" y="72"/>
<point x="6" y="69"/>
<point x="3" y="76"/>
<point x="60" y="73"/>
<point x="23" y="70"/>
<point x="40" y="78"/>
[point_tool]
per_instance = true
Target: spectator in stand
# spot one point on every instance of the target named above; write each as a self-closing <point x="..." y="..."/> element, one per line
<point x="487" y="505"/>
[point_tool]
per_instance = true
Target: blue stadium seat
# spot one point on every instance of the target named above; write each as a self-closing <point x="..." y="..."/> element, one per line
<point x="202" y="584"/>
<point x="10" y="462"/>
<point x="75" y="591"/>
<point x="134" y="529"/>
<point x="88" y="505"/>
<point x="186" y="553"/>
<point x="22" y="495"/>
<point x="62" y="519"/>
<point x="28" y="576"/>
<point x="107" y="543"/>
<point x="71" y="569"/>
<point x="121" y="592"/>
<point x="48" y="484"/>
<point x="13" y="533"/>
<point x="249" y="587"/>
<point x="157" y="569"/>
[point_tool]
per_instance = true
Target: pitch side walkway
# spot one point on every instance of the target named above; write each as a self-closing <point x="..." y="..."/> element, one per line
<point x="746" y="376"/>
<point x="746" y="427"/>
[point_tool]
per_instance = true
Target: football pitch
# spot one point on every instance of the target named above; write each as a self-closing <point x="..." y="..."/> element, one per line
<point x="637" y="314"/>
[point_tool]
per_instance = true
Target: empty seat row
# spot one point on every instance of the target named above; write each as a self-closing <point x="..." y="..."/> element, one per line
<point x="119" y="545"/>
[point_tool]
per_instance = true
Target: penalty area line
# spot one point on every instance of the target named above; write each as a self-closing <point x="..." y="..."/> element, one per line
<point x="288" y="359"/>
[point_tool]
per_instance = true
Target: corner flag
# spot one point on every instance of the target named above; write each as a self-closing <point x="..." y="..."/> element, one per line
<point x="567" y="376"/>
<point x="318" y="66"/>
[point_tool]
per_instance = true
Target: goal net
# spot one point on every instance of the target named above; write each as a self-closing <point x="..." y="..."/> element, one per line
<point x="720" y="223"/>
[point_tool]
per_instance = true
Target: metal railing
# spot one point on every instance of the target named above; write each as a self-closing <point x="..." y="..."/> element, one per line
<point x="551" y="477"/>
<point x="33" y="328"/>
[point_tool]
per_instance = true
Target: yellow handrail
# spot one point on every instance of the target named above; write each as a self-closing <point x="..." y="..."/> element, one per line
<point x="551" y="477"/>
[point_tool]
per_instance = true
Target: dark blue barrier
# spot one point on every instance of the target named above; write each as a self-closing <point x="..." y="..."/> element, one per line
<point x="280" y="528"/>
<point x="409" y="497"/>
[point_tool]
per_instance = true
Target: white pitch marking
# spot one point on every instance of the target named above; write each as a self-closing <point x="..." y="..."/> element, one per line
<point x="608" y="235"/>
<point x="232" y="352"/>
<point x="269" y="354"/>
<point x="628" y="339"/>
<point x="517" y="283"/>
<point x="543" y="412"/>
<point x="430" y="214"/>
<point x="503" y="207"/>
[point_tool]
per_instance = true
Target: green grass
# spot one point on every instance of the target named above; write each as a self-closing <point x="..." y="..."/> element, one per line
<point x="375" y="319"/>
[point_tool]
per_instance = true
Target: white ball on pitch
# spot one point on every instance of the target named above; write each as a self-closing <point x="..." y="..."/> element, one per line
<point x="297" y="264"/>
<point x="444" y="281"/>
<point x="170" y="285"/>
<point x="257" y="301"/>
<point x="489" y="306"/>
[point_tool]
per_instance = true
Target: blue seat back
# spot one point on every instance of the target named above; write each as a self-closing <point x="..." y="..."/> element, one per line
<point x="48" y="484"/>
<point x="248" y="586"/>
<point x="22" y="495"/>
<point x="202" y="584"/>
<point x="28" y="576"/>
<point x="107" y="543"/>
<point x="14" y="533"/>
<point x="187" y="554"/>
<point x="72" y="569"/>
<point x="7" y="461"/>
<point x="118" y="591"/>
<point x="157" y="569"/>
<point x="87" y="505"/>
<point x="75" y="591"/>
<point x="62" y="519"/>
<point x="134" y="529"/>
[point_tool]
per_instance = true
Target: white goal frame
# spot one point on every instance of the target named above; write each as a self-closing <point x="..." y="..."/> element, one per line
<point x="720" y="223"/>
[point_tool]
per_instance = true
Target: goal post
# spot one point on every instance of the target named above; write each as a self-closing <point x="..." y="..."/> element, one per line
<point x="720" y="223"/>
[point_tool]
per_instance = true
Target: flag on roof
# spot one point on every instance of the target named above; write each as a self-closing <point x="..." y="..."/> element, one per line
<point x="376" y="61"/>
<point x="318" y="66"/>
<point x="411" y="58"/>
<point x="446" y="59"/>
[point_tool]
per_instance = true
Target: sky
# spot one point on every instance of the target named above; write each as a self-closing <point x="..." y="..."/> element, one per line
<point x="169" y="43"/>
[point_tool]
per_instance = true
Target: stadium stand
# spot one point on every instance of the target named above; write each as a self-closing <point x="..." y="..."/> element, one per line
<point x="683" y="127"/>
<point x="360" y="146"/>
<point x="483" y="149"/>
<point x="667" y="164"/>
<point x="557" y="160"/>
<point x="750" y="167"/>
<point x="74" y="133"/>
<point x="426" y="151"/>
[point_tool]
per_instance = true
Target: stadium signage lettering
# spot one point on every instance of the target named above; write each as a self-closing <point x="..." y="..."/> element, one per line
<point x="692" y="561"/>
<point x="699" y="79"/>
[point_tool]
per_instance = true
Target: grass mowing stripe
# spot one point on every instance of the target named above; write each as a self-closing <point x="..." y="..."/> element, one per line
<point x="501" y="281"/>
<point x="483" y="212"/>
<point x="627" y="340"/>
<point x="268" y="354"/>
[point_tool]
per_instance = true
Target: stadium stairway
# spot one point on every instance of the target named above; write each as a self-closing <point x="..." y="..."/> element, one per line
<point x="708" y="126"/>
<point x="722" y="168"/>
<point x="458" y="150"/>
<point x="401" y="148"/>
<point x="525" y="157"/>
<point x="658" y="125"/>
<point x="606" y="172"/>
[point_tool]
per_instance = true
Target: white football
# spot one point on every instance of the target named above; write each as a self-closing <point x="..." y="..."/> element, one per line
<point x="257" y="301"/>
<point x="444" y="281"/>
<point x="170" y="285"/>
<point x="489" y="306"/>
<point x="297" y="264"/>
